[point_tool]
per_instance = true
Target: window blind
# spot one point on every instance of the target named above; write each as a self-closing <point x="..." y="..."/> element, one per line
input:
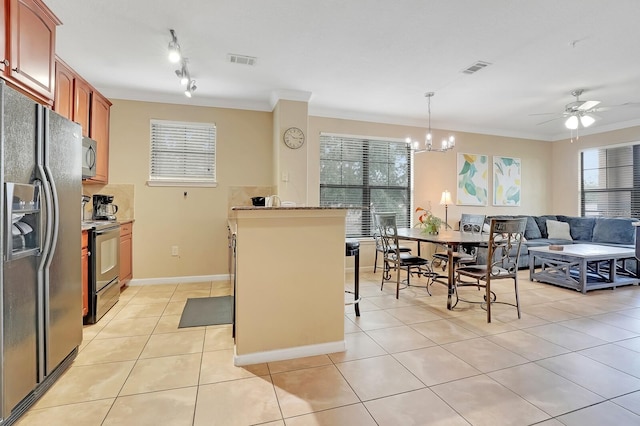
<point x="610" y="182"/>
<point x="365" y="175"/>
<point x="183" y="152"/>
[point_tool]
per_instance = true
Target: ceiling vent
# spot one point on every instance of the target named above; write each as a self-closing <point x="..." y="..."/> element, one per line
<point x="475" y="67"/>
<point x="242" y="59"/>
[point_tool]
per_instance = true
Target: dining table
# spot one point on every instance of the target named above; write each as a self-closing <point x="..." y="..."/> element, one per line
<point x="452" y="240"/>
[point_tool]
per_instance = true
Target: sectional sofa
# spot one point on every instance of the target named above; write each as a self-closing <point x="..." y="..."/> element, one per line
<point x="558" y="229"/>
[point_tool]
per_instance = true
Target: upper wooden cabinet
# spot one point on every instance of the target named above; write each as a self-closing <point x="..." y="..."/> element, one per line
<point x="82" y="104"/>
<point x="63" y="101"/>
<point x="79" y="101"/>
<point x="29" y="57"/>
<point x="99" y="131"/>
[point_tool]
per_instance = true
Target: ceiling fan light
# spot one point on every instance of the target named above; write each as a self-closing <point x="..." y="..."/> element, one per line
<point x="587" y="120"/>
<point x="571" y="123"/>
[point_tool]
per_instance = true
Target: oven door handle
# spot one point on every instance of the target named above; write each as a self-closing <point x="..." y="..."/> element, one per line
<point x="106" y="230"/>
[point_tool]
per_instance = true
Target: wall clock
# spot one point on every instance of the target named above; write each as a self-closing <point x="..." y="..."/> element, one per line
<point x="293" y="137"/>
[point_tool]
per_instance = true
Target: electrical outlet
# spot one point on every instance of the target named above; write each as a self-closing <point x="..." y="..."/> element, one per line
<point x="174" y="251"/>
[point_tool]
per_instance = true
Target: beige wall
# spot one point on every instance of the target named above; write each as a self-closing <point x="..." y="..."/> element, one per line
<point x="566" y="166"/>
<point x="435" y="171"/>
<point x="247" y="156"/>
<point x="163" y="215"/>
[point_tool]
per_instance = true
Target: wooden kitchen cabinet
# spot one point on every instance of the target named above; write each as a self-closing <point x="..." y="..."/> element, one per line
<point x="90" y="109"/>
<point x="85" y="272"/>
<point x="63" y="101"/>
<point x="82" y="104"/>
<point x="28" y="62"/>
<point x="99" y="131"/>
<point x="73" y="96"/>
<point x="126" y="253"/>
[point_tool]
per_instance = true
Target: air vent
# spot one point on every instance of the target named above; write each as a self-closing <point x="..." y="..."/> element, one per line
<point x="242" y="59"/>
<point x="475" y="67"/>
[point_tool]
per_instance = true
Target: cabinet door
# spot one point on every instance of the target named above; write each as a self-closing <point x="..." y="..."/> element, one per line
<point x="32" y="29"/>
<point x="81" y="104"/>
<point x="126" y="260"/>
<point x="85" y="273"/>
<point x="63" y="102"/>
<point x="4" y="59"/>
<point x="99" y="130"/>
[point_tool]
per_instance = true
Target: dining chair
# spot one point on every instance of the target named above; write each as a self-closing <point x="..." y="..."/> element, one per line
<point x="472" y="223"/>
<point x="380" y="249"/>
<point x="394" y="258"/>
<point x="505" y="242"/>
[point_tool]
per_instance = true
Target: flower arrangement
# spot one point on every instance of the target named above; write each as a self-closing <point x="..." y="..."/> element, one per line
<point x="427" y="221"/>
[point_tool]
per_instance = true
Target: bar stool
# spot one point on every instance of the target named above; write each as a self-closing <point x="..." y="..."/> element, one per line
<point x="352" y="248"/>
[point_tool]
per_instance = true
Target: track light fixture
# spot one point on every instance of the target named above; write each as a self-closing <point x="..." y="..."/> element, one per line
<point x="191" y="87"/>
<point x="175" y="56"/>
<point x="183" y="73"/>
<point x="174" y="48"/>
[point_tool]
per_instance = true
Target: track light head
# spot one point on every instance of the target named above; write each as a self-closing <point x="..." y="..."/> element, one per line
<point x="191" y="87"/>
<point x="174" y="48"/>
<point x="183" y="73"/>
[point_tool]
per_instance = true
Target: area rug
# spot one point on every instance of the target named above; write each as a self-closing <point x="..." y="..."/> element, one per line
<point x="201" y="311"/>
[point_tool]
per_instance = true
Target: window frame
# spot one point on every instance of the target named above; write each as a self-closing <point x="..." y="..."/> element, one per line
<point x="366" y="223"/>
<point x="611" y="189"/>
<point x="184" y="180"/>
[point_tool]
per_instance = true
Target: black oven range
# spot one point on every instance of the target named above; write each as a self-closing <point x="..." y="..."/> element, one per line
<point x="104" y="269"/>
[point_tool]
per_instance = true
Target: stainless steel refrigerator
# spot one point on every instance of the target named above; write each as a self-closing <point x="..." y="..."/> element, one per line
<point x="40" y="281"/>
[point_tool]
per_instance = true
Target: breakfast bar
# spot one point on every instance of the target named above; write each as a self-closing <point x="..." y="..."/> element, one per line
<point x="289" y="291"/>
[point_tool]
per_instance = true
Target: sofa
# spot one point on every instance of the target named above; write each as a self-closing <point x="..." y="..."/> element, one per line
<point x="581" y="230"/>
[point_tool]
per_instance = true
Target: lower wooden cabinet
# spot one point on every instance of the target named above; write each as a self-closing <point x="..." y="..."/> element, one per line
<point x="85" y="273"/>
<point x="126" y="253"/>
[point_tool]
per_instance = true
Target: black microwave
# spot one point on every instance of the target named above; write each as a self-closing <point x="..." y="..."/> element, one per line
<point x="89" y="158"/>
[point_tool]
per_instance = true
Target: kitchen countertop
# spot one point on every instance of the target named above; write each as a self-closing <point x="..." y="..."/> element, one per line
<point x="89" y="224"/>
<point x="286" y="208"/>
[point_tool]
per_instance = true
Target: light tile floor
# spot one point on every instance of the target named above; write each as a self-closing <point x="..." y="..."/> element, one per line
<point x="572" y="359"/>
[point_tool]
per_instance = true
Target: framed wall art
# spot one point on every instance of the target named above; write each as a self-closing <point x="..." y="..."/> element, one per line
<point x="472" y="179"/>
<point x="507" y="174"/>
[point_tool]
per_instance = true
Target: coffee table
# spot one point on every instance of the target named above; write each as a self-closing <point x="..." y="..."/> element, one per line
<point x="583" y="266"/>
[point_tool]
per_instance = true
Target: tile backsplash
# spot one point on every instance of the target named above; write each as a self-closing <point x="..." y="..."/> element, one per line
<point x="123" y="197"/>
<point x="241" y="195"/>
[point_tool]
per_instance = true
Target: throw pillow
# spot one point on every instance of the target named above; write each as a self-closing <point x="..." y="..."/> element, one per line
<point x="558" y="230"/>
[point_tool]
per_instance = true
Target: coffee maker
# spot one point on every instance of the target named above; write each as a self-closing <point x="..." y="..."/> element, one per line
<point x="103" y="209"/>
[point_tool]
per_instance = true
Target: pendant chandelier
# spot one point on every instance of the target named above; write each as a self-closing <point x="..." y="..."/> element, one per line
<point x="446" y="144"/>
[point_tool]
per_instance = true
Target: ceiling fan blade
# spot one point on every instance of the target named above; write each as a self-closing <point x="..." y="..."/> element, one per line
<point x="549" y="121"/>
<point x="543" y="113"/>
<point x="587" y="105"/>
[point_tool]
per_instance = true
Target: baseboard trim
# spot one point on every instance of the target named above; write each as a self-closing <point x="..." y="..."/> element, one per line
<point x="178" y="280"/>
<point x="289" y="353"/>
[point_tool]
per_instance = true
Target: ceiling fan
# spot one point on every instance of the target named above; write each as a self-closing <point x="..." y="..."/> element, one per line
<point x="577" y="112"/>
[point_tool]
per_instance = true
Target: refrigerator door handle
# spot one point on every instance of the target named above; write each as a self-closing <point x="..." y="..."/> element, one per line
<point x="53" y="216"/>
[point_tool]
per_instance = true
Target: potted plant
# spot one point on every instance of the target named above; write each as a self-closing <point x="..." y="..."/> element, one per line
<point x="428" y="221"/>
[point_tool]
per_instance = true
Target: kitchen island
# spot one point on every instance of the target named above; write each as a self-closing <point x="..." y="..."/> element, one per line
<point x="289" y="288"/>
